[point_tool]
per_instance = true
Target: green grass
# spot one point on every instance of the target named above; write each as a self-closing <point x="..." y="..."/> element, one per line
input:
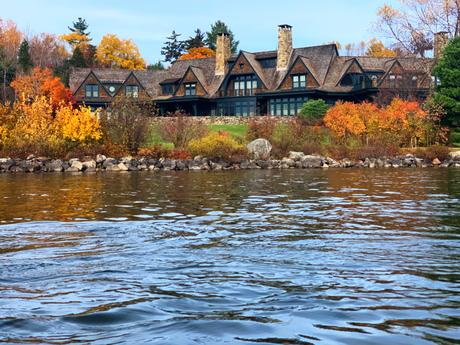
<point x="455" y="138"/>
<point x="235" y="130"/>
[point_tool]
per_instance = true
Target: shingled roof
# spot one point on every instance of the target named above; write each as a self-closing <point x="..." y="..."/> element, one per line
<point x="323" y="61"/>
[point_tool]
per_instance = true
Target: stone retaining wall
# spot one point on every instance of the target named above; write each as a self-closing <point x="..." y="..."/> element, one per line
<point x="295" y="160"/>
<point x="227" y="120"/>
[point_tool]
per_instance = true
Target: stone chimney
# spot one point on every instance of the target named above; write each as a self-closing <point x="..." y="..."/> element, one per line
<point x="284" y="46"/>
<point x="223" y="52"/>
<point x="440" y="42"/>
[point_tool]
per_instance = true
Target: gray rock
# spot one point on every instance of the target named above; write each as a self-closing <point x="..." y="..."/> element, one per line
<point x="100" y="159"/>
<point x="55" y="166"/>
<point x="260" y="149"/>
<point x="90" y="165"/>
<point x="312" y="161"/>
<point x="455" y="155"/>
<point x="109" y="162"/>
<point x="215" y="166"/>
<point x="296" y="156"/>
<point x="76" y="164"/>
<point x="123" y="167"/>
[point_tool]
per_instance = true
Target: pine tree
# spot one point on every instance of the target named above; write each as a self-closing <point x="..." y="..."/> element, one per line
<point x="156" y="67"/>
<point x="196" y="41"/>
<point x="77" y="59"/>
<point x="448" y="73"/>
<point x="24" y="60"/>
<point x="80" y="27"/>
<point x="173" y="48"/>
<point x="217" y="28"/>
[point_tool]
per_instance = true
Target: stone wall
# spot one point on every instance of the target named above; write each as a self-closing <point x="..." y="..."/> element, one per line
<point x="227" y="120"/>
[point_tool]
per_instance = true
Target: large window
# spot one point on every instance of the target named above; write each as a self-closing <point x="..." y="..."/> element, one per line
<point x="132" y="91"/>
<point x="237" y="108"/>
<point x="168" y="89"/>
<point x="288" y="106"/>
<point x="190" y="89"/>
<point x="92" y="91"/>
<point x="245" y="85"/>
<point x="299" y="81"/>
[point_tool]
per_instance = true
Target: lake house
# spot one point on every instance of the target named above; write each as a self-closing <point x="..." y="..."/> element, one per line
<point x="274" y="82"/>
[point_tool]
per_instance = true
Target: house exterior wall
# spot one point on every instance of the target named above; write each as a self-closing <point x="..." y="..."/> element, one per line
<point x="190" y="78"/>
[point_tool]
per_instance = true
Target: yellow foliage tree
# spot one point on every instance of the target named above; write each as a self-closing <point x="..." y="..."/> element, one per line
<point x="78" y="125"/>
<point x="75" y="39"/>
<point x="117" y="53"/>
<point x="376" y="48"/>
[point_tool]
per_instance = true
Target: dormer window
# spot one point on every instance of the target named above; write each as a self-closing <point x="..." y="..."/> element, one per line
<point x="356" y="80"/>
<point x="92" y="91"/>
<point x="167" y="89"/>
<point x="132" y="91"/>
<point x="245" y="85"/>
<point x="299" y="81"/>
<point x="190" y="89"/>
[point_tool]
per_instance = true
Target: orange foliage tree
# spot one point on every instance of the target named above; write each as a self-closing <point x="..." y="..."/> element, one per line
<point x="402" y="122"/>
<point x="198" y="53"/>
<point x="41" y="82"/>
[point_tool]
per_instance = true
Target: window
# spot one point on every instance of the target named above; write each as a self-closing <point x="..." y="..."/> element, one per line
<point x="299" y="81"/>
<point x="238" y="108"/>
<point x="92" y="91"/>
<point x="288" y="106"/>
<point x="245" y="85"/>
<point x="190" y="89"/>
<point x="353" y="79"/>
<point x="132" y="91"/>
<point x="168" y="89"/>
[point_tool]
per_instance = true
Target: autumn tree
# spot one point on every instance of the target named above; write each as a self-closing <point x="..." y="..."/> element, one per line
<point x="448" y="73"/>
<point x="24" y="60"/>
<point x="413" y="24"/>
<point x="376" y="48"/>
<point x="198" y="53"/>
<point x="47" y="51"/>
<point x="173" y="48"/>
<point x="218" y="28"/>
<point x="114" y="52"/>
<point x="10" y="40"/>
<point x="78" y="34"/>
<point x="41" y="83"/>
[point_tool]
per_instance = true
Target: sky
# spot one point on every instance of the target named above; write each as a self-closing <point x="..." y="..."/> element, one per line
<point x="254" y="23"/>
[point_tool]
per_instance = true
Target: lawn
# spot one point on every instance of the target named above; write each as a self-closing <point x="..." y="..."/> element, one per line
<point x="455" y="138"/>
<point x="234" y="130"/>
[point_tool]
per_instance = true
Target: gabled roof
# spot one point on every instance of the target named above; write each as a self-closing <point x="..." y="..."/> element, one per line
<point x="346" y="68"/>
<point x="199" y="75"/>
<point x="306" y="62"/>
<point x="88" y="75"/>
<point x="132" y="74"/>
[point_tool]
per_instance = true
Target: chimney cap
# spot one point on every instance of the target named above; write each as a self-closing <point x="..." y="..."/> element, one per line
<point x="285" y="26"/>
<point x="225" y="34"/>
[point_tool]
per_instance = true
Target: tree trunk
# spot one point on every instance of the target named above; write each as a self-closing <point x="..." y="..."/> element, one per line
<point x="4" y="86"/>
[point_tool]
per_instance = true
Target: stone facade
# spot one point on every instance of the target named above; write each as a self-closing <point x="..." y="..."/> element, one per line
<point x="284" y="47"/>
<point x="440" y="42"/>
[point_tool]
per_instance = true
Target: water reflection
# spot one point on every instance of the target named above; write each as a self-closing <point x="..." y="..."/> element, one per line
<point x="250" y="257"/>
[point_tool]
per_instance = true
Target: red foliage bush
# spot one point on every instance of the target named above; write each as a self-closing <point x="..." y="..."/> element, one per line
<point x="181" y="129"/>
<point x="261" y="128"/>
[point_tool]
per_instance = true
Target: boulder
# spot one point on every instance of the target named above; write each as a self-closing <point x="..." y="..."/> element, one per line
<point x="436" y="162"/>
<point x="76" y="165"/>
<point x="100" y="159"/>
<point x="312" y="161"/>
<point x="122" y="167"/>
<point x="90" y="165"/>
<point x="55" y="165"/>
<point x="260" y="149"/>
<point x="455" y="155"/>
<point x="296" y="156"/>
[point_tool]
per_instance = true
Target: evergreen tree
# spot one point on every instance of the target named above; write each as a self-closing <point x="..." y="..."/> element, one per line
<point x="173" y="48"/>
<point x="77" y="59"/>
<point x="196" y="41"/>
<point x="448" y="73"/>
<point x="80" y="27"/>
<point x="24" y="60"/>
<point x="217" y="28"/>
<point x="156" y="67"/>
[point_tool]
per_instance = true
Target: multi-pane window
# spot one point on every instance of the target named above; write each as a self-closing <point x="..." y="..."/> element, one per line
<point x="299" y="81"/>
<point x="395" y="80"/>
<point x="132" y="91"/>
<point x="190" y="89"/>
<point x="288" y="106"/>
<point x="92" y="91"/>
<point x="238" y="108"/>
<point x="353" y="79"/>
<point x="168" y="89"/>
<point x="245" y="85"/>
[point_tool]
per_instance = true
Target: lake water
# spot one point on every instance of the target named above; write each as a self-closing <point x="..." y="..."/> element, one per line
<point x="248" y="257"/>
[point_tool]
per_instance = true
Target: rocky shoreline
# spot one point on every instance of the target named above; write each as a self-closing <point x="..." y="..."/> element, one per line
<point x="296" y="160"/>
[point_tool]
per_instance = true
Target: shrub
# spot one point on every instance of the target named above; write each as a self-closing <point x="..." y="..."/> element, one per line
<point x="432" y="152"/>
<point x="216" y="145"/>
<point x="181" y="129"/>
<point x="261" y="128"/>
<point x="126" y="122"/>
<point x="313" y="111"/>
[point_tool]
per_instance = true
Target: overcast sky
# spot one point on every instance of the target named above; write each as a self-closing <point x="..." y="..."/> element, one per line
<point x="254" y="23"/>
